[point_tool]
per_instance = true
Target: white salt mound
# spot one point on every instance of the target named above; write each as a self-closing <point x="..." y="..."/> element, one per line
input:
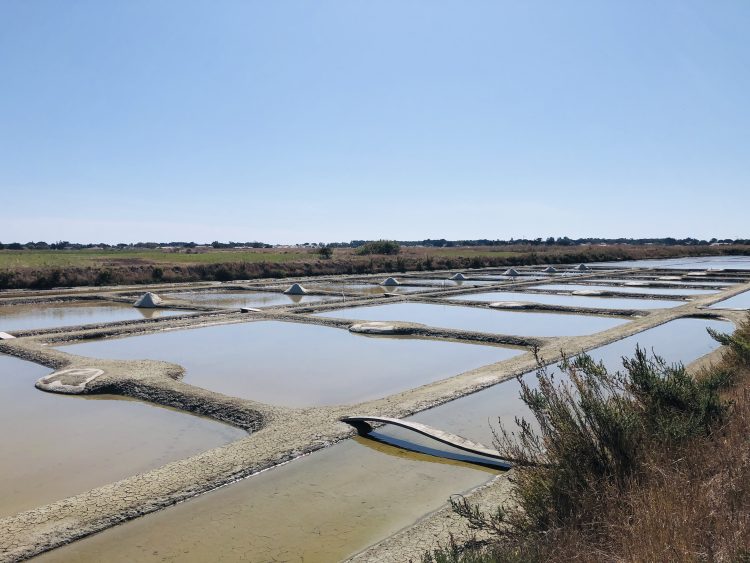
<point x="148" y="301"/>
<point x="296" y="289"/>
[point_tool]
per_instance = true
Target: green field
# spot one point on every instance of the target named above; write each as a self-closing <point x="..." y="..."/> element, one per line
<point x="18" y="259"/>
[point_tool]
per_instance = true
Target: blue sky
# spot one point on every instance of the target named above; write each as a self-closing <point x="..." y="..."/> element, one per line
<point x="325" y="121"/>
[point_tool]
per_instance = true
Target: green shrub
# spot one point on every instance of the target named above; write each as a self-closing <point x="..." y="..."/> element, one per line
<point x="593" y="426"/>
<point x="388" y="247"/>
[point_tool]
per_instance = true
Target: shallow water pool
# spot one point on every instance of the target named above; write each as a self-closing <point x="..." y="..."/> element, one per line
<point x="625" y="289"/>
<point x="569" y="300"/>
<point x="681" y="340"/>
<point x="54" y="446"/>
<point x="54" y="315"/>
<point x="480" y="320"/>
<point x="739" y="301"/>
<point x="237" y="299"/>
<point x="299" y="364"/>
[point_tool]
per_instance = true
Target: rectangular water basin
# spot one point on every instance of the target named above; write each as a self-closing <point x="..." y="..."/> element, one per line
<point x="625" y="289"/>
<point x="702" y="262"/>
<point x="321" y="508"/>
<point x="661" y="281"/>
<point x="355" y="493"/>
<point x="446" y="283"/>
<point x="54" y="446"/>
<point x="299" y="364"/>
<point x="739" y="301"/>
<point x="480" y="320"/>
<point x="473" y="416"/>
<point x="365" y="288"/>
<point x="237" y="299"/>
<point x="570" y="300"/>
<point x="56" y="315"/>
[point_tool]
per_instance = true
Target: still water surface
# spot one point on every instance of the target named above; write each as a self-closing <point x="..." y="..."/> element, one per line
<point x="299" y="364"/>
<point x="54" y="446"/>
<point x="481" y="320"/>
<point x="570" y="300"/>
<point x="336" y="502"/>
<point x="48" y="315"/>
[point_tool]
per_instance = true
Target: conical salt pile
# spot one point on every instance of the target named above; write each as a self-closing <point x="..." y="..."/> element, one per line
<point x="582" y="267"/>
<point x="296" y="289"/>
<point x="458" y="277"/>
<point x="550" y="270"/>
<point x="148" y="301"/>
<point x="390" y="282"/>
<point x="511" y="272"/>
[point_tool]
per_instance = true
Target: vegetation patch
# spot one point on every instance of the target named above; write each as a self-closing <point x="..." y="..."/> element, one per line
<point x="387" y="247"/>
<point x="646" y="464"/>
<point x="47" y="268"/>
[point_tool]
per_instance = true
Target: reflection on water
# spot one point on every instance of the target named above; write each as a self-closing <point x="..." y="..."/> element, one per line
<point x="740" y="301"/>
<point x="62" y="445"/>
<point x="427" y="447"/>
<point x="704" y="262"/>
<point x="355" y="493"/>
<point x="682" y="340"/>
<point x="237" y="299"/>
<point x="53" y="315"/>
<point x="664" y="281"/>
<point x="481" y="320"/>
<point x="625" y="289"/>
<point x="299" y="364"/>
<point x="365" y="288"/>
<point x="570" y="300"/>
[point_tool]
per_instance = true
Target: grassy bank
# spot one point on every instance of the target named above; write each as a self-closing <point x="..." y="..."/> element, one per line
<point x="53" y="268"/>
<point x="649" y="465"/>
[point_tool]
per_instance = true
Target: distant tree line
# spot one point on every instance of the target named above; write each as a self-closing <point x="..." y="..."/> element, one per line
<point x="566" y="241"/>
<point x="65" y="245"/>
<point x="370" y="244"/>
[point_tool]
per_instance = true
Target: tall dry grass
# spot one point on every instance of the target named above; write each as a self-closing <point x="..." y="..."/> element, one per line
<point x="680" y="492"/>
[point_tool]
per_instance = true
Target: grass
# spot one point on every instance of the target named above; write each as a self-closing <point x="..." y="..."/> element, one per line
<point x="467" y="252"/>
<point x="39" y="269"/>
<point x="649" y="464"/>
<point x="15" y="259"/>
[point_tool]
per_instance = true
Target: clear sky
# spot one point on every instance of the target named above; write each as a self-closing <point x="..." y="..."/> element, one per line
<point x="295" y="121"/>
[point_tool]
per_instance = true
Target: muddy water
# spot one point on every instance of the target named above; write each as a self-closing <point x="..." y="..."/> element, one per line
<point x="482" y="320"/>
<point x="299" y="364"/>
<point x="54" y="446"/>
<point x="741" y="301"/>
<point x="625" y="289"/>
<point x="321" y="508"/>
<point x="237" y="299"/>
<point x="682" y="340"/>
<point x="48" y="315"/>
<point x="570" y="300"/>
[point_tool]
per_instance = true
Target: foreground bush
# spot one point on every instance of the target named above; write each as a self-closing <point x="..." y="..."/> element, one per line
<point x="648" y="464"/>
